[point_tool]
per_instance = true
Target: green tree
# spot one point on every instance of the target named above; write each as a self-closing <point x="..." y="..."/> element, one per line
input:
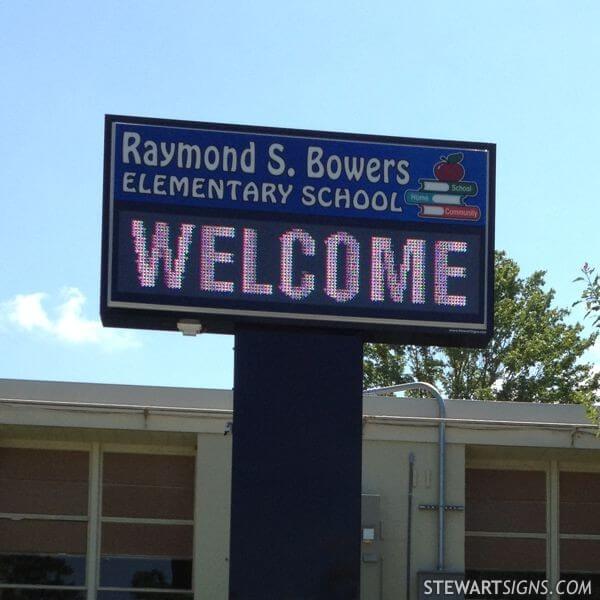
<point x="534" y="356"/>
<point x="590" y="296"/>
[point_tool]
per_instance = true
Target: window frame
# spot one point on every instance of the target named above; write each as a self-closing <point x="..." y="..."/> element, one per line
<point x="119" y="449"/>
<point x="17" y="516"/>
<point x="552" y="466"/>
<point x="94" y="518"/>
<point x="517" y="465"/>
<point x="573" y="467"/>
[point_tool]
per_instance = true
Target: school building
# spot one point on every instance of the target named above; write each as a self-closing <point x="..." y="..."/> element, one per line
<point x="123" y="492"/>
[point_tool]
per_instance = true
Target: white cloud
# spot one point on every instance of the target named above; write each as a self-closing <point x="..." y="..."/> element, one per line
<point x="66" y="321"/>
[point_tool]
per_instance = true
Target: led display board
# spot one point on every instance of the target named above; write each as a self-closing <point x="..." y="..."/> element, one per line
<point x="228" y="225"/>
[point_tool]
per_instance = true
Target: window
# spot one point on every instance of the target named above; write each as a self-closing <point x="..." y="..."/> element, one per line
<point x="135" y="543"/>
<point x="43" y="523"/>
<point x="147" y="526"/>
<point x="579" y="524"/>
<point x="505" y="523"/>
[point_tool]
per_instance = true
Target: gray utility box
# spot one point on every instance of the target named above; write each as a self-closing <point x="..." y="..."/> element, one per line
<point x="370" y="527"/>
<point x="371" y="576"/>
<point x="440" y="585"/>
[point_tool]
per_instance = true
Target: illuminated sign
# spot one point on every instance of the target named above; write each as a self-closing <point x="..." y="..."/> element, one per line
<point x="229" y="224"/>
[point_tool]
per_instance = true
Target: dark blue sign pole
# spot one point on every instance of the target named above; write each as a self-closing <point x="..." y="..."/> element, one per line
<point x="296" y="476"/>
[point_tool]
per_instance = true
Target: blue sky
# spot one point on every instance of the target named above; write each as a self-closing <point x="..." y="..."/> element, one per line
<point x="522" y="75"/>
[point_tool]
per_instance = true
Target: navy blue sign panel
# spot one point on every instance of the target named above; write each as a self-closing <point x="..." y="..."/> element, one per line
<point x="230" y="224"/>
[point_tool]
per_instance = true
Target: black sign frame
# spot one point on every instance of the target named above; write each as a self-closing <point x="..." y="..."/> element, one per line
<point x="157" y="317"/>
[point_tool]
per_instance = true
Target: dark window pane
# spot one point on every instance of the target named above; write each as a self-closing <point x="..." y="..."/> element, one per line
<point x="531" y="581"/>
<point x="142" y="596"/>
<point x="43" y="481"/>
<point x="501" y="484"/>
<point x="42" y="537"/>
<point x="505" y="501"/>
<point x="579" y="487"/>
<point x="133" y="572"/>
<point x="505" y="554"/>
<point x="581" y="556"/>
<point x="148" y="485"/>
<point x="580" y="503"/>
<point x="580" y="517"/>
<point x="48" y="594"/>
<point x="42" y="569"/>
<point x="132" y="539"/>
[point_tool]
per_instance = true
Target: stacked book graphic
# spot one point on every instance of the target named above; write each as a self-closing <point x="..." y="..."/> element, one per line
<point x="444" y="199"/>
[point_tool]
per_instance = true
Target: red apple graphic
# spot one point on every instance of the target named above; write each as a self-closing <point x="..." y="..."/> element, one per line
<point x="450" y="168"/>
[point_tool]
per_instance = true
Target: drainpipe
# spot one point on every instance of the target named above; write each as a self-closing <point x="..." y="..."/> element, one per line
<point x="421" y="385"/>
